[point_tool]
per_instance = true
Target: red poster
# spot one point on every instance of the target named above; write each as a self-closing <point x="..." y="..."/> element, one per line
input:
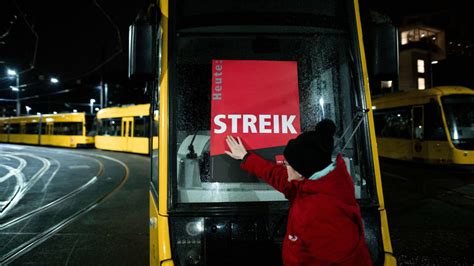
<point x="255" y="100"/>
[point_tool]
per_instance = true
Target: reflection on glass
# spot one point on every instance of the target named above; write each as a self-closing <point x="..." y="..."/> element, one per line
<point x="326" y="90"/>
<point x="459" y="112"/>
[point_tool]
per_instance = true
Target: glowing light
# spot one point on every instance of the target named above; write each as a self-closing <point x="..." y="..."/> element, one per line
<point x="11" y="72"/>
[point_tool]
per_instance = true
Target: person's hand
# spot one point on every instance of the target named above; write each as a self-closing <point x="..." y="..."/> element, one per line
<point x="237" y="149"/>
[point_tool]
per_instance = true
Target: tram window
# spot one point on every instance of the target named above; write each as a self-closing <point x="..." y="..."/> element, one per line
<point x="31" y="128"/>
<point x="42" y="127"/>
<point x="434" y="129"/>
<point x="14" y="128"/>
<point x="140" y="126"/>
<point x="323" y="73"/>
<point x="155" y="128"/>
<point x="154" y="145"/>
<point x="109" y="127"/>
<point x="68" y="128"/>
<point x="418" y="123"/>
<point x="90" y="127"/>
<point x="379" y="123"/>
<point x="459" y="111"/>
<point x="393" y="123"/>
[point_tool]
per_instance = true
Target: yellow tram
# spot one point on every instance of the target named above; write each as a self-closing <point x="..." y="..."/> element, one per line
<point x="201" y="217"/>
<point x="125" y="129"/>
<point x="434" y="126"/>
<point x="64" y="130"/>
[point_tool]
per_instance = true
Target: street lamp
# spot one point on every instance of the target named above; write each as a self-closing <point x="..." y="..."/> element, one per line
<point x="13" y="73"/>
<point x="92" y="101"/>
<point x="54" y="80"/>
<point x="28" y="109"/>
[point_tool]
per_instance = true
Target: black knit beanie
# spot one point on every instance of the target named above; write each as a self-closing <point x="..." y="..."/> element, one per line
<point x="311" y="151"/>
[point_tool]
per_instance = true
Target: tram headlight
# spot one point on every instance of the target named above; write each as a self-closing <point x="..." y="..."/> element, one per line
<point x="187" y="236"/>
<point x="194" y="228"/>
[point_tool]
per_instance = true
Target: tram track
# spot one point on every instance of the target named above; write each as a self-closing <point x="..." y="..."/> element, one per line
<point x="58" y="200"/>
<point x="41" y="237"/>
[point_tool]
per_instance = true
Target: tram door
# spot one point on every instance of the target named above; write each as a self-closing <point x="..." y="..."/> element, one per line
<point x="127" y="125"/>
<point x="49" y="129"/>
<point x="47" y="138"/>
<point x="418" y="147"/>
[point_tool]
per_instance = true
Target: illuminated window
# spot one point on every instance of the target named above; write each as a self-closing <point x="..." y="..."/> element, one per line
<point x="420" y="65"/>
<point x="423" y="33"/>
<point x="404" y="37"/>
<point x="421" y="83"/>
<point x="386" y="84"/>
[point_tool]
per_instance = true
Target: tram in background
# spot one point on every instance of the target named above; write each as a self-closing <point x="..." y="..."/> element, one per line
<point x="71" y="130"/>
<point x="125" y="128"/>
<point x="194" y="221"/>
<point x="433" y="126"/>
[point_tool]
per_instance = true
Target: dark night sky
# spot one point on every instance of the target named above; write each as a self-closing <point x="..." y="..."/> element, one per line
<point x="455" y="18"/>
<point x="72" y="34"/>
<point x="75" y="37"/>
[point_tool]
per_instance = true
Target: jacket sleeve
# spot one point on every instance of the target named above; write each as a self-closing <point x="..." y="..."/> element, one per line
<point x="273" y="174"/>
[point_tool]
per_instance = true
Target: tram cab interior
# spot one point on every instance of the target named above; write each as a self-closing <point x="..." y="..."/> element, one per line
<point x="326" y="91"/>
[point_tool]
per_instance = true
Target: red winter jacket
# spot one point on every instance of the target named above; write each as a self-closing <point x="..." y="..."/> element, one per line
<point x="324" y="221"/>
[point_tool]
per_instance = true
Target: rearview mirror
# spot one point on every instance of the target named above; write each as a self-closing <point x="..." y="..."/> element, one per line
<point x="384" y="61"/>
<point x="141" y="50"/>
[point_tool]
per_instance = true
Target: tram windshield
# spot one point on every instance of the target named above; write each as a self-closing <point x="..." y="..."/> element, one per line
<point x="459" y="112"/>
<point x="321" y="44"/>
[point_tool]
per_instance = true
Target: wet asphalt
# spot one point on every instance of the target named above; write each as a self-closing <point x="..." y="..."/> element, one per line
<point x="72" y="207"/>
<point x="431" y="213"/>
<point x="90" y="207"/>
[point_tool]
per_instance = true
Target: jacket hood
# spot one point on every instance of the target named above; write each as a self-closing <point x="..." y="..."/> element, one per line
<point x="337" y="183"/>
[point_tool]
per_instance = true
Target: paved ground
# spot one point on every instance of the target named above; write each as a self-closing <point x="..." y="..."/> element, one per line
<point x="431" y="213"/>
<point x="72" y="207"/>
<point x="90" y="207"/>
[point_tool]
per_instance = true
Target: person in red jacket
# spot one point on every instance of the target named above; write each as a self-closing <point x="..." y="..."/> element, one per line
<point x="324" y="221"/>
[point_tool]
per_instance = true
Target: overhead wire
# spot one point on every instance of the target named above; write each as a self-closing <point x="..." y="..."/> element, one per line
<point x="118" y="51"/>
